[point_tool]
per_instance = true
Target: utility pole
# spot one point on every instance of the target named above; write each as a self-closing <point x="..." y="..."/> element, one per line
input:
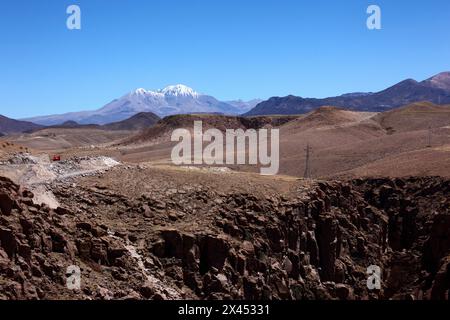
<point x="307" y="174"/>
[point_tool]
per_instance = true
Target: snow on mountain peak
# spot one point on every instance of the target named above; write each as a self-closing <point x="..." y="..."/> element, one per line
<point x="179" y="90"/>
<point x="140" y="91"/>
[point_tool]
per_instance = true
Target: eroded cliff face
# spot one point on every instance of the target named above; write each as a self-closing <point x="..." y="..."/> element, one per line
<point x="202" y="244"/>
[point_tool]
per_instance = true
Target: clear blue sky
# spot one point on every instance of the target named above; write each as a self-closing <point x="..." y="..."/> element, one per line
<point x="227" y="48"/>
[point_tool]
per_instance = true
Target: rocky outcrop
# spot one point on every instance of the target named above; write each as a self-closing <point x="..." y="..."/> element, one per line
<point x="38" y="244"/>
<point x="200" y="244"/>
<point x="319" y="247"/>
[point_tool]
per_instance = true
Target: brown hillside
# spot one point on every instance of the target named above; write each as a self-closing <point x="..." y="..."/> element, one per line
<point x="417" y="116"/>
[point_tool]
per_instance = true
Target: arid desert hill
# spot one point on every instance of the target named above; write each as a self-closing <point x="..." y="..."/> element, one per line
<point x="154" y="144"/>
<point x="54" y="139"/>
<point x="163" y="129"/>
<point x="416" y="116"/>
<point x="342" y="142"/>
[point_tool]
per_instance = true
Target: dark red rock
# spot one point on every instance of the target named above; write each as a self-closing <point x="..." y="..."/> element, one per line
<point x="8" y="241"/>
<point x="6" y="204"/>
<point x="213" y="253"/>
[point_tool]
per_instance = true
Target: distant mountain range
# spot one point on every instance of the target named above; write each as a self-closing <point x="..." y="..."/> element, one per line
<point x="178" y="99"/>
<point x="8" y="126"/>
<point x="435" y="89"/>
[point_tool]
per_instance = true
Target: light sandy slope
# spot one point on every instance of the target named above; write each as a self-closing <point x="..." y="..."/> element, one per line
<point x="38" y="172"/>
<point x="66" y="138"/>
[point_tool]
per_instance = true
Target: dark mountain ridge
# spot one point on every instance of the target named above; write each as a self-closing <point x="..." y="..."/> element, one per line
<point x="9" y="126"/>
<point x="435" y="90"/>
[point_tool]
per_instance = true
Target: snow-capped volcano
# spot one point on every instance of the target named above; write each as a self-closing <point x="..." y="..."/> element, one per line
<point x="174" y="99"/>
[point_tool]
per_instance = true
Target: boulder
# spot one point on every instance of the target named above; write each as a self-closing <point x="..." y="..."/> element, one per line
<point x="99" y="251"/>
<point x="173" y="243"/>
<point x="8" y="241"/>
<point x="441" y="284"/>
<point x="327" y="238"/>
<point x="6" y="204"/>
<point x="213" y="252"/>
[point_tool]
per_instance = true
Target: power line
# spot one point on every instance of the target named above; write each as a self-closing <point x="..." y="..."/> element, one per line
<point x="307" y="174"/>
<point x="429" y="137"/>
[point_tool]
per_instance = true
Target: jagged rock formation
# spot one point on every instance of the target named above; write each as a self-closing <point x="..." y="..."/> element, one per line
<point x="317" y="245"/>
